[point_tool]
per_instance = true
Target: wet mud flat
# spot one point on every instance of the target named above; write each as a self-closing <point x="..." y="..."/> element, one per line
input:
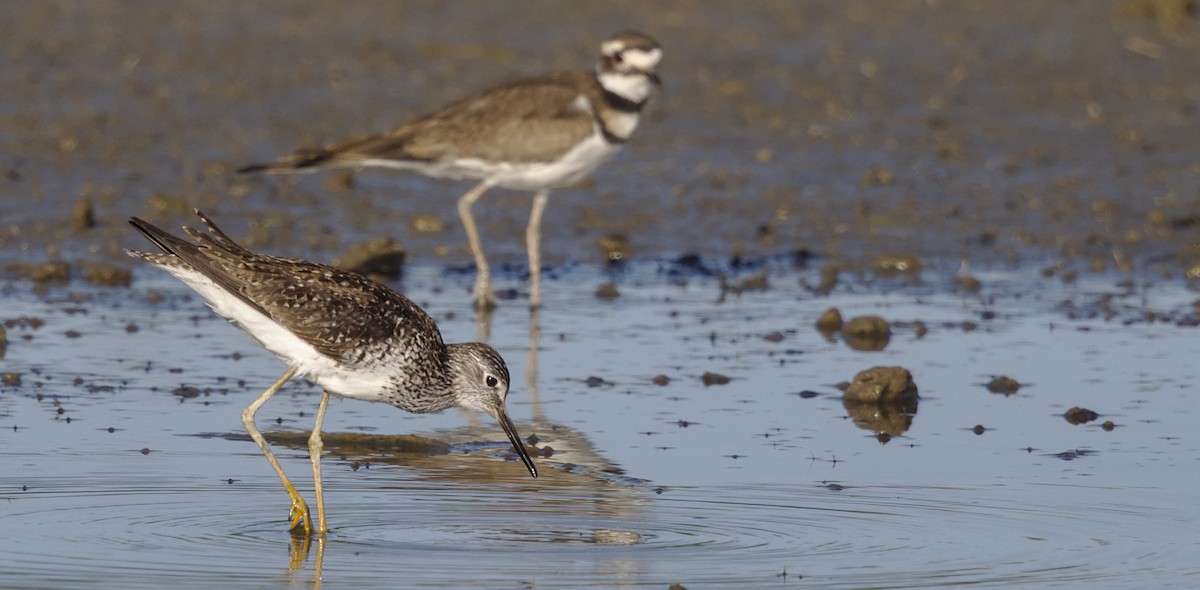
<point x="998" y="133"/>
<point x="978" y="219"/>
<point x="686" y="432"/>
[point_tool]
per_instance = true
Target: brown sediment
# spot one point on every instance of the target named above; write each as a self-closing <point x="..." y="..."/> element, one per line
<point x="381" y="259"/>
<point x="881" y="384"/>
<point x="867" y="333"/>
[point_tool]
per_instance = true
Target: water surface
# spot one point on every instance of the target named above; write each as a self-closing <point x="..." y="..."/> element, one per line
<point x="710" y="486"/>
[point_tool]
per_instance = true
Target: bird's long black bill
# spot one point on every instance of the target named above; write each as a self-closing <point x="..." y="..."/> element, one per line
<point x="515" y="439"/>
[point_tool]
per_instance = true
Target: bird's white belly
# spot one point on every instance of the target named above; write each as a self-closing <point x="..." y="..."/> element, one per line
<point x="335" y="378"/>
<point x="566" y="170"/>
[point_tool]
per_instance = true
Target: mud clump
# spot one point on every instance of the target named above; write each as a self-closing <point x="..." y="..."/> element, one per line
<point x="710" y="378"/>
<point x="186" y="392"/>
<point x="1003" y="385"/>
<point x="83" y="216"/>
<point x="11" y="379"/>
<point x="3" y="341"/>
<point x="877" y="176"/>
<point x="881" y="384"/>
<point x="967" y="283"/>
<point x="829" y="278"/>
<point x="340" y="181"/>
<point x="381" y="258"/>
<point x="607" y="292"/>
<point x="104" y="275"/>
<point x="893" y="265"/>
<point x="1078" y="415"/>
<point x="830" y="323"/>
<point x="41" y="273"/>
<point x="660" y="380"/>
<point x="867" y="333"/>
<point x="757" y="282"/>
<point x="426" y="224"/>
<point x="614" y="248"/>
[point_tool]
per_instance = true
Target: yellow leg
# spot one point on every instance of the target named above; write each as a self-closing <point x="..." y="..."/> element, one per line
<point x="315" y="446"/>
<point x="299" y="512"/>
<point x="533" y="244"/>
<point x="482" y="293"/>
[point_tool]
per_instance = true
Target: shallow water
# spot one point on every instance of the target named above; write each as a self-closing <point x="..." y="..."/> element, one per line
<point x="709" y="486"/>
<point x="1045" y="143"/>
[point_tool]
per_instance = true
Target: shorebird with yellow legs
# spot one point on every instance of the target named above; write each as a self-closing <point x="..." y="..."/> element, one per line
<point x="352" y="336"/>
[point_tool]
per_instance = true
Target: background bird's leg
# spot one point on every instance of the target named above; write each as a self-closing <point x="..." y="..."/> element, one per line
<point x="482" y="293"/>
<point x="299" y="512"/>
<point x="533" y="240"/>
<point x="315" y="446"/>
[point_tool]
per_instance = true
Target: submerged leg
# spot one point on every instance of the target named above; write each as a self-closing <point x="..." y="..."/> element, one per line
<point x="482" y="293"/>
<point x="533" y="244"/>
<point x="299" y="512"/>
<point x="315" y="446"/>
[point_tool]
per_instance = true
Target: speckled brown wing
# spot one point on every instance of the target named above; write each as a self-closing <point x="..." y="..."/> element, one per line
<point x="530" y="120"/>
<point x="341" y="314"/>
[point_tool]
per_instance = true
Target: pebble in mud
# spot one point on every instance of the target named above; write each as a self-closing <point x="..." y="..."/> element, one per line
<point x="660" y="380"/>
<point x="607" y="291"/>
<point x="3" y="342"/>
<point x="757" y="282"/>
<point x="881" y="384"/>
<point x="1108" y="426"/>
<point x="424" y="223"/>
<point x="340" y="181"/>
<point x="381" y="258"/>
<point x="1078" y="415"/>
<point x="710" y="378"/>
<point x="867" y="333"/>
<point x="185" y="392"/>
<point x="11" y="379"/>
<point x="82" y="215"/>
<point x="41" y="273"/>
<point x="897" y="265"/>
<point x="830" y="323"/>
<point x="829" y="278"/>
<point x="877" y="176"/>
<point x="104" y="275"/>
<point x="1003" y="385"/>
<point x="614" y="248"/>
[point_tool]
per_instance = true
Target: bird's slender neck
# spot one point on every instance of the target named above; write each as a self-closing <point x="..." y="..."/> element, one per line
<point x="427" y="389"/>
<point x="625" y="91"/>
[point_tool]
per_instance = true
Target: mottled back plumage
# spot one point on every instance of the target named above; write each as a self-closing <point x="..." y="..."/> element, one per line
<point x="329" y="308"/>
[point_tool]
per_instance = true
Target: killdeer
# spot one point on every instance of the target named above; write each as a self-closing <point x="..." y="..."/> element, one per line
<point x="531" y="134"/>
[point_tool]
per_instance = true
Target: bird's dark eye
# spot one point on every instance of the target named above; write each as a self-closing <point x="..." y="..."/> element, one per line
<point x="619" y="57"/>
<point x="491" y="381"/>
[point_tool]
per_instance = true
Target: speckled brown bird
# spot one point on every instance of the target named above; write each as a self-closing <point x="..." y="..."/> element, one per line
<point x="532" y="134"/>
<point x="352" y="336"/>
